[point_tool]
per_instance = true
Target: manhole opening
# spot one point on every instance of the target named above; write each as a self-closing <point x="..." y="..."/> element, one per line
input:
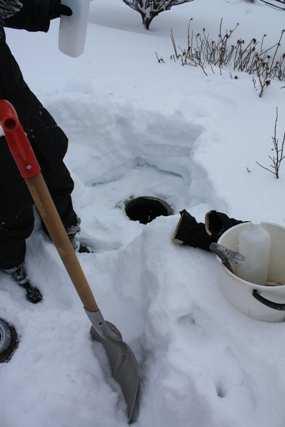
<point x="145" y="209"/>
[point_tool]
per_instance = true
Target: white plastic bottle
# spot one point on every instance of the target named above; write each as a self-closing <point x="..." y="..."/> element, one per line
<point x="73" y="29"/>
<point x="254" y="244"/>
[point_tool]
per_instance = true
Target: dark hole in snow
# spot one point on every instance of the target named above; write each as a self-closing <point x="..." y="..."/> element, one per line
<point x="144" y="209"/>
<point x="220" y="390"/>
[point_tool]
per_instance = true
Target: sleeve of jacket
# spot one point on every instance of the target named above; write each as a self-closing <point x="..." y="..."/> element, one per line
<point x="34" y="16"/>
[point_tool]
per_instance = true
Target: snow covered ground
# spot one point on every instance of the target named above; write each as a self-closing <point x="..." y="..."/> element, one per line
<point x="136" y="128"/>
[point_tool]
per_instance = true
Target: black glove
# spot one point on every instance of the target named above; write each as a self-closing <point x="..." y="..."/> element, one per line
<point x="191" y="233"/>
<point x="216" y="223"/>
<point x="57" y="9"/>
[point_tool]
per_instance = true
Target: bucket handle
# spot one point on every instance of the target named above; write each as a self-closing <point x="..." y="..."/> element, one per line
<point x="267" y="302"/>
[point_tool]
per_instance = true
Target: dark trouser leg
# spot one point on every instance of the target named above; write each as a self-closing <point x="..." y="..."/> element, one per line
<point x="16" y="208"/>
<point x="49" y="143"/>
<point x="16" y="211"/>
<point x="12" y="239"/>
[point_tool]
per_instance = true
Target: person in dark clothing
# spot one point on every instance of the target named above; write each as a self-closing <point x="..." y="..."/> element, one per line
<point x="47" y="138"/>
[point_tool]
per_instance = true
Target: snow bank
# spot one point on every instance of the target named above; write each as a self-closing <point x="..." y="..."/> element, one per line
<point x="140" y="128"/>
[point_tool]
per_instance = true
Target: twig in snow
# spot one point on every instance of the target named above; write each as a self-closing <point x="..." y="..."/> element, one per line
<point x="277" y="156"/>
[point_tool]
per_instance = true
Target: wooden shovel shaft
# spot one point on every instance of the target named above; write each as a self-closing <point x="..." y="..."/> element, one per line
<point x="53" y="223"/>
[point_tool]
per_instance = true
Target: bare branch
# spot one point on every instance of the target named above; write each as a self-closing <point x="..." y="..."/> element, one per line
<point x="278" y="150"/>
<point x="250" y="57"/>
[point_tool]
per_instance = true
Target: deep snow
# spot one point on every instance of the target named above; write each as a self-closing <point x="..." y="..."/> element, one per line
<point x="137" y="127"/>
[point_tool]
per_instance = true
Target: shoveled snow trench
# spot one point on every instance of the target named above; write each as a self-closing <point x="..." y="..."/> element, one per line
<point x="198" y="366"/>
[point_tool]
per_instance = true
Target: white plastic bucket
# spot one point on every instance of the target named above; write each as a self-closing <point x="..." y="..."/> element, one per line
<point x="261" y="302"/>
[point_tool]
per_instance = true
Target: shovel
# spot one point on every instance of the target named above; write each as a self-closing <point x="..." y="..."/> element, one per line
<point x="124" y="367"/>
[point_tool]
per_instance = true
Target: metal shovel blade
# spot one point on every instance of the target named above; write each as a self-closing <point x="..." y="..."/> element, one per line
<point x="124" y="366"/>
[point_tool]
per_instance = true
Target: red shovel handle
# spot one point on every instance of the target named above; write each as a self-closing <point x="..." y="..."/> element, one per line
<point x="18" y="142"/>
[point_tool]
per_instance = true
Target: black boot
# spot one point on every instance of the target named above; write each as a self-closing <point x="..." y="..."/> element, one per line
<point x="79" y="246"/>
<point x="20" y="276"/>
<point x="73" y="232"/>
<point x="191" y="233"/>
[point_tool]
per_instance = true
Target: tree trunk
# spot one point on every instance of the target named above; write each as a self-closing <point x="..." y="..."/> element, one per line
<point x="148" y="20"/>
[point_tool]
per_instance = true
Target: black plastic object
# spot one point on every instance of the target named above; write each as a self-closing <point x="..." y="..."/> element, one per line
<point x="145" y="209"/>
<point x="267" y="302"/>
<point x="8" y="341"/>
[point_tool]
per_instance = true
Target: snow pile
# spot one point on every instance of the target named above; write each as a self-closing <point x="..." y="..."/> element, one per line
<point x="141" y="128"/>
